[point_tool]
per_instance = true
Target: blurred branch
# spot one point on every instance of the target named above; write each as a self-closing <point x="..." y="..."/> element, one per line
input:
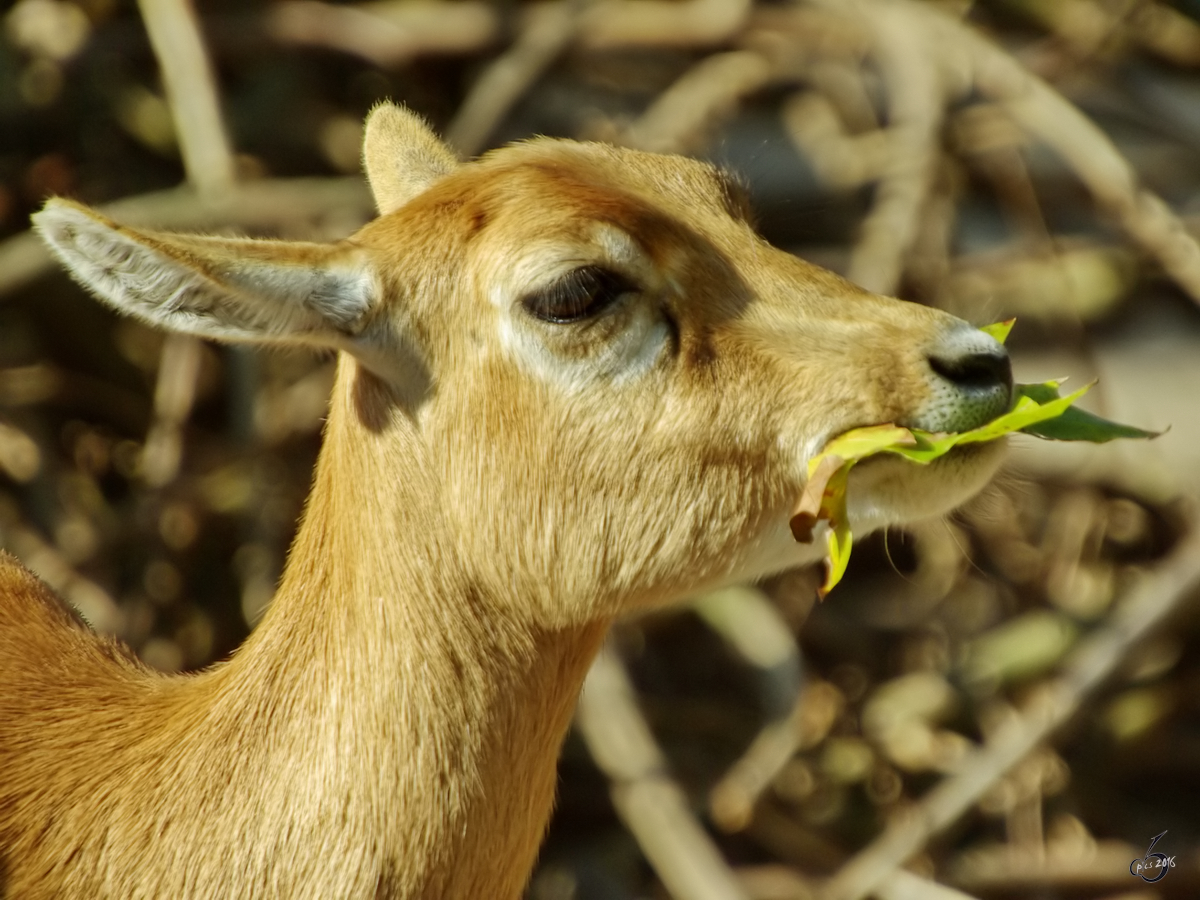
<point x="1068" y="865"/>
<point x="651" y="805"/>
<point x="904" y="885"/>
<point x="842" y="160"/>
<point x="191" y="92"/>
<point x="174" y="394"/>
<point x="1150" y="601"/>
<point x="20" y="457"/>
<point x="1168" y="32"/>
<point x="1090" y="28"/>
<point x="733" y="798"/>
<point x="388" y="34"/>
<point x="330" y="207"/>
<point x="662" y="23"/>
<point x="752" y="626"/>
<point x="908" y="65"/>
<point x="393" y="33"/>
<point x="681" y="117"/>
<point x="207" y="158"/>
<point x="754" y="629"/>
<point x="1048" y="116"/>
<point x="928" y="57"/>
<point x="772" y="881"/>
<point x="541" y="40"/>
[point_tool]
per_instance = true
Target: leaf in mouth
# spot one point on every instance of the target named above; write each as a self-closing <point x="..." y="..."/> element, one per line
<point x="1037" y="409"/>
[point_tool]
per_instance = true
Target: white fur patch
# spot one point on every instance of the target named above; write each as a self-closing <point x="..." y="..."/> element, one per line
<point x="620" y="348"/>
<point x="777" y="550"/>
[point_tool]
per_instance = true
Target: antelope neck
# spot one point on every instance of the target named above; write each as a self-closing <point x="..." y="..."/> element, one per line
<point x="408" y="687"/>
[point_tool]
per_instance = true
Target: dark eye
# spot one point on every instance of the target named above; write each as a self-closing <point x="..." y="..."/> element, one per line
<point x="579" y="294"/>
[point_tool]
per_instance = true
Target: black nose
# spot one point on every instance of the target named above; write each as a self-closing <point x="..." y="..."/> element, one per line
<point x="970" y="381"/>
<point x="976" y="369"/>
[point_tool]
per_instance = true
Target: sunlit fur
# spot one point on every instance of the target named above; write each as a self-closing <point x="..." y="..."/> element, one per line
<point x="492" y="490"/>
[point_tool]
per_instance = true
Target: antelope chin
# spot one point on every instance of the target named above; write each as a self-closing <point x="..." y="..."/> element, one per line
<point x="889" y="490"/>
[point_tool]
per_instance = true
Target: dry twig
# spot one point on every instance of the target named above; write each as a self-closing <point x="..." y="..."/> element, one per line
<point x="679" y="120"/>
<point x="541" y="40"/>
<point x="662" y="23"/>
<point x="1077" y="864"/>
<point x="388" y="34"/>
<point x="908" y="63"/>
<point x="651" y="805"/>
<point x="733" y="798"/>
<point x="904" y="885"/>
<point x="191" y="93"/>
<point x="1148" y="603"/>
<point x="928" y="56"/>
<point x="208" y="160"/>
<point x="391" y="33"/>
<point x="752" y="626"/>
<point x="772" y="881"/>
<point x="843" y="161"/>
<point x="1049" y="117"/>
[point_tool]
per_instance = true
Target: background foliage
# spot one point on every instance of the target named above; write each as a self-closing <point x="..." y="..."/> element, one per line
<point x="1005" y="701"/>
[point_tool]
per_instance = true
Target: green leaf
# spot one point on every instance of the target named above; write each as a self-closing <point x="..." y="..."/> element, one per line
<point x="1027" y="411"/>
<point x="840" y="542"/>
<point x="1075" y="424"/>
<point x="1047" y="392"/>
<point x="999" y="330"/>
<point x="1037" y="409"/>
<point x="1080" y="425"/>
<point x="863" y="442"/>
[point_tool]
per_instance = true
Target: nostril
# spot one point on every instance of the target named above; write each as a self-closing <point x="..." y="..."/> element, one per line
<point x="975" y="370"/>
<point x="970" y="382"/>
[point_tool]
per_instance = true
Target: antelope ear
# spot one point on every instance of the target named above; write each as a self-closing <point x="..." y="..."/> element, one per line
<point x="402" y="156"/>
<point x="232" y="289"/>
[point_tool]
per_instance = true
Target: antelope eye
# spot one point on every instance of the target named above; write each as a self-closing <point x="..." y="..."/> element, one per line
<point x="580" y="294"/>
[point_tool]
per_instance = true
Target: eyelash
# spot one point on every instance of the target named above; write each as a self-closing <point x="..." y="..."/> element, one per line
<point x="580" y="294"/>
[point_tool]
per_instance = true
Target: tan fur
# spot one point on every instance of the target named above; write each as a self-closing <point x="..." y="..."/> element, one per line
<point x="492" y="490"/>
<point x="402" y="156"/>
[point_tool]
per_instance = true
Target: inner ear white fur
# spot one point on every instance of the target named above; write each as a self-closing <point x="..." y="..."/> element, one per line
<point x="402" y="156"/>
<point x="224" y="288"/>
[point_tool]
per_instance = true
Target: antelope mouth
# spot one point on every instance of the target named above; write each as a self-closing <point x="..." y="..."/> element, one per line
<point x="886" y="490"/>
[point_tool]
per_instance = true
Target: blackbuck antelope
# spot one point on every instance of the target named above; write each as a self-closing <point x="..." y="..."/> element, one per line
<point x="573" y="382"/>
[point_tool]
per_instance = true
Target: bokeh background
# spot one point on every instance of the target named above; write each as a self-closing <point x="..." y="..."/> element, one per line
<point x="1003" y="704"/>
